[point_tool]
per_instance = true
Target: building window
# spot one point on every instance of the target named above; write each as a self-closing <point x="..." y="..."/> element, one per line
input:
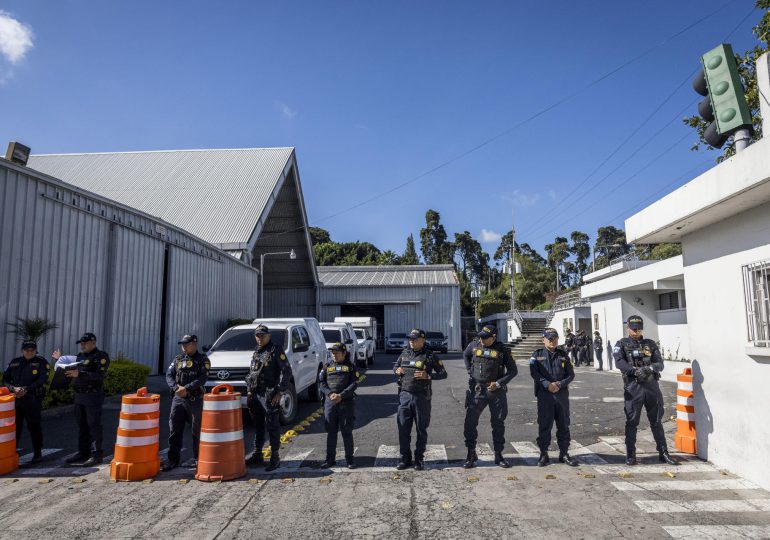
<point x="596" y="321"/>
<point x="669" y="300"/>
<point x="756" y="289"/>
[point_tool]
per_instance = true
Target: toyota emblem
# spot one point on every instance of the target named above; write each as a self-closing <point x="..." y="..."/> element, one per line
<point x="223" y="374"/>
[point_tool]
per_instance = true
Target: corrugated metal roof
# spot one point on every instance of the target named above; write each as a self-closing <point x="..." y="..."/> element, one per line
<point x="387" y="276"/>
<point x="217" y="195"/>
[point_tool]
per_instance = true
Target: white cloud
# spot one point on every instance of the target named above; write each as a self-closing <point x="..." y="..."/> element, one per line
<point x="523" y="199"/>
<point x="15" y="38"/>
<point x="489" y="237"/>
<point x="287" y="112"/>
<point x="552" y="195"/>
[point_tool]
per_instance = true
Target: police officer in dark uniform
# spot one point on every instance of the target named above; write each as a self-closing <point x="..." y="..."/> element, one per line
<point x="598" y="350"/>
<point x="490" y="367"/>
<point x="338" y="383"/>
<point x="269" y="377"/>
<point x="415" y="368"/>
<point x="186" y="378"/>
<point x="552" y="372"/>
<point x="26" y="377"/>
<point x="582" y="348"/>
<point x="569" y="345"/>
<point x="640" y="362"/>
<point x="87" y="381"/>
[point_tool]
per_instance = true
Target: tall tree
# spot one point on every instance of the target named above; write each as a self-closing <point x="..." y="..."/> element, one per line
<point x="558" y="252"/>
<point x="581" y="249"/>
<point x="318" y="235"/>
<point x="503" y="251"/>
<point x="610" y="244"/>
<point x="389" y="258"/>
<point x="346" y="254"/>
<point x="410" y="253"/>
<point x="433" y="240"/>
<point x="747" y="68"/>
<point x="471" y="259"/>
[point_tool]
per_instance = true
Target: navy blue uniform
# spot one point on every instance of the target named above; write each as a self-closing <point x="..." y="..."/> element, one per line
<point x="546" y="367"/>
<point x="88" y="390"/>
<point x="33" y="376"/>
<point x="582" y="350"/>
<point x="599" y="350"/>
<point x="191" y="373"/>
<point x="640" y="363"/>
<point x="270" y="374"/>
<point x="414" y="399"/>
<point x="339" y="378"/>
<point x="485" y="365"/>
<point x="570" y="346"/>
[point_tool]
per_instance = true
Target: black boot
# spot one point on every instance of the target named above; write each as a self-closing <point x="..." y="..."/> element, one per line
<point x="631" y="460"/>
<point x="93" y="461"/>
<point x="255" y="458"/>
<point x="329" y="463"/>
<point x="404" y="464"/>
<point x="351" y="463"/>
<point x="419" y="464"/>
<point x="544" y="459"/>
<point x="564" y="457"/>
<point x="76" y="460"/>
<point x="275" y="461"/>
<point x="168" y="465"/>
<point x="37" y="457"/>
<point x="500" y="460"/>
<point x="663" y="457"/>
<point x="471" y="460"/>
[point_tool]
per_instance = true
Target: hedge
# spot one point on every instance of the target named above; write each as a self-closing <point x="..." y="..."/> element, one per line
<point x="123" y="376"/>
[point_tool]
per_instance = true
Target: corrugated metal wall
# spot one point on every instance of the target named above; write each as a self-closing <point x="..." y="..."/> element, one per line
<point x="438" y="309"/>
<point x="298" y="302"/>
<point x="89" y="264"/>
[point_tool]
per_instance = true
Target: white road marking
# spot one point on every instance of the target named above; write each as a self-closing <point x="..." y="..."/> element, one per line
<point x="585" y="455"/>
<point x="23" y="460"/>
<point x="610" y="399"/>
<point x="657" y="469"/>
<point x="717" y="532"/>
<point x="724" y="505"/>
<point x="528" y="451"/>
<point x="295" y="458"/>
<point x="685" y="485"/>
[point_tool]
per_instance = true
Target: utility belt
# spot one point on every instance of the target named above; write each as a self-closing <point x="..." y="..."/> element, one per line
<point x="268" y="392"/>
<point x="87" y="389"/>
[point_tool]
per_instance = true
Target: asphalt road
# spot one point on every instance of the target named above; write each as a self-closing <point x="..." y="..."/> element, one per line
<point x="600" y="499"/>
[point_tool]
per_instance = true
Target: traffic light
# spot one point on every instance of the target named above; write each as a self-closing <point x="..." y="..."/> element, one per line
<point x="725" y="103"/>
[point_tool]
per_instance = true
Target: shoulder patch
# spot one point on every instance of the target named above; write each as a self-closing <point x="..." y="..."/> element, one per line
<point x="283" y="356"/>
<point x="440" y="363"/>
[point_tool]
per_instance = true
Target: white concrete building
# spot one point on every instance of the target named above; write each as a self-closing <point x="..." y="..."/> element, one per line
<point x="652" y="289"/>
<point x="722" y="219"/>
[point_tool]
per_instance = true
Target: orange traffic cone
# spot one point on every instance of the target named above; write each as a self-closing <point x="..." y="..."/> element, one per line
<point x="136" y="449"/>
<point x="221" y="454"/>
<point x="684" y="438"/>
<point x="9" y="459"/>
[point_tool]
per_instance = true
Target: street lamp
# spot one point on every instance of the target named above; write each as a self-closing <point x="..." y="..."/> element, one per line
<point x="291" y="255"/>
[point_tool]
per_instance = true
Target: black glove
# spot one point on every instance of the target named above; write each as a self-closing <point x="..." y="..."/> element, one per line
<point x="638" y="373"/>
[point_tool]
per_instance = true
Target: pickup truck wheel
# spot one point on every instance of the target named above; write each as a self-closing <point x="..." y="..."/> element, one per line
<point x="288" y="406"/>
<point x="314" y="390"/>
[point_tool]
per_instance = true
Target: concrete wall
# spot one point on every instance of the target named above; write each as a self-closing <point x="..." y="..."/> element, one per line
<point x="571" y="317"/>
<point x="730" y="384"/>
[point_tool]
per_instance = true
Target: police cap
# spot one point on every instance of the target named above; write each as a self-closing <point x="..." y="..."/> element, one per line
<point x="88" y="336"/>
<point x="550" y="333"/>
<point x="188" y="338"/>
<point x="28" y="344"/>
<point x="338" y="347"/>
<point x="261" y="329"/>
<point x="488" y="330"/>
<point x="416" y="334"/>
<point x="635" y="322"/>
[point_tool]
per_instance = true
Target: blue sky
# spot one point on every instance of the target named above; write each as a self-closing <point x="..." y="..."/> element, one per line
<point x="373" y="94"/>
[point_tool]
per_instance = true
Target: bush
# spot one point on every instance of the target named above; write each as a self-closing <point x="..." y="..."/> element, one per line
<point x="238" y="322"/>
<point x="545" y="306"/>
<point x="491" y="306"/>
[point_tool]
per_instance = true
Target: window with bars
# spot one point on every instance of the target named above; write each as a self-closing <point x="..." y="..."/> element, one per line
<point x="669" y="300"/>
<point x="756" y="289"/>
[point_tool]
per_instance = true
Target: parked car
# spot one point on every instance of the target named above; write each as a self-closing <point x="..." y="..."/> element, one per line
<point x="369" y="324"/>
<point x="436" y="341"/>
<point x="365" y="345"/>
<point x="335" y="332"/>
<point x="303" y="341"/>
<point x="396" y="343"/>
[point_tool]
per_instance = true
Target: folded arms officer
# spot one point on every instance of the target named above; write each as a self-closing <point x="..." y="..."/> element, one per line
<point x="186" y="378"/>
<point x="415" y="368"/>
<point x="640" y="362"/>
<point x="490" y="367"/>
<point x="26" y="377"/>
<point x="552" y="372"/>
<point x="269" y="377"/>
<point x="338" y="383"/>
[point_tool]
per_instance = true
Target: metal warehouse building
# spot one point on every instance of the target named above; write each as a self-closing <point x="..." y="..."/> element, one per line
<point x="399" y="297"/>
<point x="143" y="247"/>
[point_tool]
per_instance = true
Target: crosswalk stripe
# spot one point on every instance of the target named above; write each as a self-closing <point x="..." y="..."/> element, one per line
<point x="656" y="469"/>
<point x="340" y="464"/>
<point x="435" y="456"/>
<point x="717" y="532"/>
<point x="585" y="455"/>
<point x="82" y="471"/>
<point x="387" y="457"/>
<point x="685" y="485"/>
<point x="45" y="452"/>
<point x="725" y="505"/>
<point x="295" y="458"/>
<point x="528" y="451"/>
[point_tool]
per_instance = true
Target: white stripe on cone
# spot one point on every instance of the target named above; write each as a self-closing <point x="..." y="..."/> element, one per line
<point x="686" y="401"/>
<point x="681" y="415"/>
<point x="133" y="409"/>
<point x="228" y="436"/>
<point x="10" y="406"/>
<point x="136" y="441"/>
<point x="8" y="437"/>
<point x="686" y="386"/>
<point x="8" y="422"/>
<point x="139" y="424"/>
<point x="221" y="405"/>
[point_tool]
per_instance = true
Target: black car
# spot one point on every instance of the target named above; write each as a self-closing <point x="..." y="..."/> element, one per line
<point x="436" y="341"/>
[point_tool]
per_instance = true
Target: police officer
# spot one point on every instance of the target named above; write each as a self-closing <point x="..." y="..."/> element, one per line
<point x="582" y="348"/>
<point x="415" y="368"/>
<point x="26" y="377"/>
<point x="186" y="377"/>
<point x="87" y="381"/>
<point x="640" y="362"/>
<point x="490" y="367"/>
<point x="338" y="383"/>
<point x="569" y="345"/>
<point x="552" y="372"/>
<point x="269" y="377"/>
<point x="598" y="350"/>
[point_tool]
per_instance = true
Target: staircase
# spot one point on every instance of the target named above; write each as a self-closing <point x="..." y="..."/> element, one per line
<point x="532" y="330"/>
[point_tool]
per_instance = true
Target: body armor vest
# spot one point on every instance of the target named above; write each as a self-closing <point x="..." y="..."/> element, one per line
<point x="338" y="377"/>
<point x="187" y="369"/>
<point x="485" y="366"/>
<point x="408" y="382"/>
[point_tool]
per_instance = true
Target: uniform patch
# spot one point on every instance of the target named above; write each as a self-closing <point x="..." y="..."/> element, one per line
<point x="479" y="352"/>
<point x="34" y="372"/>
<point x="616" y="349"/>
<point x="189" y="363"/>
<point x="440" y="363"/>
<point x="104" y="361"/>
<point x="418" y="364"/>
<point x="86" y="362"/>
<point x="283" y="356"/>
<point x="179" y="365"/>
<point x="207" y="364"/>
<point x="16" y="364"/>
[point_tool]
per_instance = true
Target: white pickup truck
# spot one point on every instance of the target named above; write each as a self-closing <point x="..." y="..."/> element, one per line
<point x="366" y="335"/>
<point x="303" y="342"/>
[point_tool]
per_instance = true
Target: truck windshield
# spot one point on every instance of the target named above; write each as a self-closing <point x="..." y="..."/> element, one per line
<point x="359" y="333"/>
<point x="243" y="340"/>
<point x="332" y="336"/>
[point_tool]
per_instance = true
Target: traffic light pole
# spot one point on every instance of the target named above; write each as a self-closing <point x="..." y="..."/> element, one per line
<point x="742" y="137"/>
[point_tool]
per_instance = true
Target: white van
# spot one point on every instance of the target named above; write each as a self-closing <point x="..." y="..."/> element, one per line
<point x="366" y="334"/>
<point x="303" y="341"/>
<point x="340" y="332"/>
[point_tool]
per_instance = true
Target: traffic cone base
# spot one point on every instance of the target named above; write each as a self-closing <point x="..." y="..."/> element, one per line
<point x="221" y="454"/>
